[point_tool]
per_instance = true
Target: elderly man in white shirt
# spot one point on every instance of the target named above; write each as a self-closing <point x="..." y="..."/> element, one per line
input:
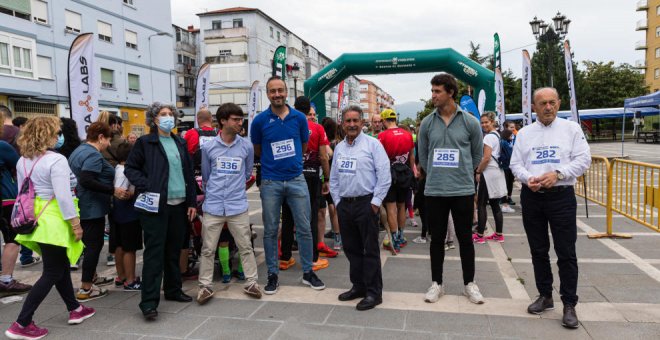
<point x="548" y="157"/>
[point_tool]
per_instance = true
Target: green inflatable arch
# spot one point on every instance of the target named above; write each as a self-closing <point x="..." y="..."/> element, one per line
<point x="446" y="59"/>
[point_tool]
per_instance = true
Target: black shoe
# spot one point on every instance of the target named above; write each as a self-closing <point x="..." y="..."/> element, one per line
<point x="570" y="319"/>
<point x="330" y="234"/>
<point x="541" y="304"/>
<point x="150" y="314"/>
<point x="511" y="202"/>
<point x="351" y="295"/>
<point x="313" y="281"/>
<point x="369" y="302"/>
<point x="271" y="286"/>
<point x="181" y="297"/>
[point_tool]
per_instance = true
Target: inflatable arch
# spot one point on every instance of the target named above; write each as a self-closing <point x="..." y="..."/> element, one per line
<point x="446" y="59"/>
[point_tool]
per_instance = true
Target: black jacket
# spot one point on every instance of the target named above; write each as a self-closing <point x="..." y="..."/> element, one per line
<point x="147" y="168"/>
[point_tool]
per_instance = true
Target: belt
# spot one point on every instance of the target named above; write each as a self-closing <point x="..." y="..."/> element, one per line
<point x="357" y="198"/>
<point x="558" y="188"/>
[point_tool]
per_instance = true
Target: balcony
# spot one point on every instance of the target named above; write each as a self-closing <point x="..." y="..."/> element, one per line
<point x="642" y="25"/>
<point x="227" y="59"/>
<point x="640" y="64"/>
<point x="225" y="33"/>
<point x="640" y="45"/>
<point x="642" y="5"/>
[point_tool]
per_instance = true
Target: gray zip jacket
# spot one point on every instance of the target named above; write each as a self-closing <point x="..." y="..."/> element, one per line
<point x="439" y="140"/>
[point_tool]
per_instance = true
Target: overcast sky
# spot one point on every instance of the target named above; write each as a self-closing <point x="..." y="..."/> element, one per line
<point x="601" y="30"/>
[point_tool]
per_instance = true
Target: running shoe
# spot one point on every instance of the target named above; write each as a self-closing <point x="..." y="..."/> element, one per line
<point x="31" y="262"/>
<point x="239" y="275"/>
<point x="110" y="260"/>
<point x="478" y="239"/>
<point x="511" y="202"/>
<point x="325" y="251"/>
<point x="320" y="264"/>
<point x="330" y="234"/>
<point x="419" y="240"/>
<point x="102" y="280"/>
<point x="29" y="332"/>
<point x="119" y="282"/>
<point x="313" y="281"/>
<point x="77" y="317"/>
<point x="253" y="290"/>
<point x="134" y="286"/>
<point x="13" y="288"/>
<point x="473" y="294"/>
<point x="271" y="286"/>
<point x="338" y="245"/>
<point x="495" y="237"/>
<point x="284" y="264"/>
<point x="451" y="245"/>
<point x="507" y="209"/>
<point x="204" y="295"/>
<point x="434" y="293"/>
<point x="226" y="278"/>
<point x="92" y="294"/>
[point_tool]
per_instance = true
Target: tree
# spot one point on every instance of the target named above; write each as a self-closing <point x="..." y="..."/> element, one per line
<point x="407" y="122"/>
<point x="428" y="108"/>
<point x="548" y="67"/>
<point x="605" y="85"/>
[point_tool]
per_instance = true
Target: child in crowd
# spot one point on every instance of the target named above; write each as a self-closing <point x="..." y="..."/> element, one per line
<point x="126" y="233"/>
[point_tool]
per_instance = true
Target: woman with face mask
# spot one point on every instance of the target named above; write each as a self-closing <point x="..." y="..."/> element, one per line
<point x="161" y="169"/>
<point x="95" y="189"/>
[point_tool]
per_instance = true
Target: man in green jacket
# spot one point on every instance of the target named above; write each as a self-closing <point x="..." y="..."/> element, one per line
<point x="450" y="146"/>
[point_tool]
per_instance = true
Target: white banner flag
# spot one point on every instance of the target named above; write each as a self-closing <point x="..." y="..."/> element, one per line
<point x="568" y="60"/>
<point x="481" y="101"/>
<point x="202" y="89"/>
<point x="253" y="104"/>
<point x="499" y="98"/>
<point x="526" y="89"/>
<point x="83" y="85"/>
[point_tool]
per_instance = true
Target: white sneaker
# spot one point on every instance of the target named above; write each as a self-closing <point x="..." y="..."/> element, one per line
<point x="420" y="240"/>
<point x="473" y="294"/>
<point x="434" y="293"/>
<point x="507" y="209"/>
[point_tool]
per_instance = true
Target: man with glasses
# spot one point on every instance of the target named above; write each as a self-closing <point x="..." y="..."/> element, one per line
<point x="280" y="135"/>
<point x="359" y="181"/>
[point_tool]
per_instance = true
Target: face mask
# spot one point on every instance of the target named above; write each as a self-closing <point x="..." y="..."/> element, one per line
<point x="60" y="141"/>
<point x="166" y="123"/>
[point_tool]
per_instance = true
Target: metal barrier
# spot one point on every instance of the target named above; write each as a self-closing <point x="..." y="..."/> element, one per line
<point x="626" y="187"/>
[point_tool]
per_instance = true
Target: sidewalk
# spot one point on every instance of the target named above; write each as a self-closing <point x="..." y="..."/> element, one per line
<point x="619" y="289"/>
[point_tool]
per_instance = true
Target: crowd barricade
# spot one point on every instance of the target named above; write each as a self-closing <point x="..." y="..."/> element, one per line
<point x="629" y="188"/>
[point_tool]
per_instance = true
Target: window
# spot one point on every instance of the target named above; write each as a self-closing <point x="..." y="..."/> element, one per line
<point x="238" y="23"/>
<point x="131" y="39"/>
<point x="657" y="31"/>
<point x="16" y="8"/>
<point x="657" y="10"/>
<point x="73" y="21"/>
<point x="105" y="31"/>
<point x="656" y="73"/>
<point x="216" y="24"/>
<point x="133" y="83"/>
<point x="44" y="67"/>
<point x="129" y="2"/>
<point x="39" y="11"/>
<point x="16" y="55"/>
<point x="178" y="35"/>
<point x="179" y="58"/>
<point x="657" y="53"/>
<point x="271" y="31"/>
<point x="278" y="35"/>
<point x="107" y="78"/>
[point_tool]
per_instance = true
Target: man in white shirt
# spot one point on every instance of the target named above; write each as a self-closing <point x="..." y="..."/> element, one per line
<point x="548" y="157"/>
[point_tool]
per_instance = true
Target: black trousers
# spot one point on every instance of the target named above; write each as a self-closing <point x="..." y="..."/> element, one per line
<point x="314" y="187"/>
<point x="508" y="176"/>
<point x="55" y="272"/>
<point x="558" y="209"/>
<point x="163" y="236"/>
<point x="482" y="215"/>
<point x="420" y="204"/>
<point x="462" y="209"/>
<point x="93" y="239"/>
<point x="359" y="230"/>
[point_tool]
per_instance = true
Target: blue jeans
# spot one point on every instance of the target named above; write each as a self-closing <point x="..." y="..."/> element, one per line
<point x="273" y="194"/>
<point x="26" y="255"/>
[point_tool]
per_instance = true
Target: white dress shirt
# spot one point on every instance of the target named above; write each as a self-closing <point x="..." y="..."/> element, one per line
<point x="368" y="174"/>
<point x="559" y="146"/>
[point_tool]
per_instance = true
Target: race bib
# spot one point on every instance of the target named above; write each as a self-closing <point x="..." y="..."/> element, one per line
<point x="347" y="165"/>
<point x="204" y="139"/>
<point x="545" y="154"/>
<point x="283" y="149"/>
<point x="445" y="158"/>
<point x="148" y="201"/>
<point x="228" y="165"/>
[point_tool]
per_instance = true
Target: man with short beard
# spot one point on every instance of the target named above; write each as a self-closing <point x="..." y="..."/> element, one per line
<point x="359" y="180"/>
<point x="280" y="135"/>
<point x="376" y="126"/>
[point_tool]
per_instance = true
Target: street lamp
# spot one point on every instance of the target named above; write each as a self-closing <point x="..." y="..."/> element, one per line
<point x="295" y="74"/>
<point x="151" y="72"/>
<point x="540" y="28"/>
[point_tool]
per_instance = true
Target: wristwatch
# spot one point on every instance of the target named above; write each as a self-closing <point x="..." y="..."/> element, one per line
<point x="560" y="176"/>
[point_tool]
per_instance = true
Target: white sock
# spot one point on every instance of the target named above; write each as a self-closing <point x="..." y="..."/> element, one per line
<point x="5" y="278"/>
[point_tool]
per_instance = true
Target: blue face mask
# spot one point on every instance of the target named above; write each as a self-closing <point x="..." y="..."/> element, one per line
<point x="166" y="123"/>
<point x="60" y="142"/>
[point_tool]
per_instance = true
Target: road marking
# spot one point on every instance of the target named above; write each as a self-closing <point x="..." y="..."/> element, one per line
<point x="516" y="289"/>
<point x="640" y="263"/>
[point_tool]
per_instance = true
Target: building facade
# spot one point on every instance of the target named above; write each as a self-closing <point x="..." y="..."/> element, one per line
<point x="133" y="48"/>
<point x="186" y="64"/>
<point x="373" y="99"/>
<point x="239" y="44"/>
<point x="650" y="26"/>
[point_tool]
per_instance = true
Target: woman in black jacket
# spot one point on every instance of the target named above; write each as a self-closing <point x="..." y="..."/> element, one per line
<point x="161" y="170"/>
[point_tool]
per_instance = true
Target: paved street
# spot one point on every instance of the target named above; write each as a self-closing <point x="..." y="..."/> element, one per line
<point x="619" y="291"/>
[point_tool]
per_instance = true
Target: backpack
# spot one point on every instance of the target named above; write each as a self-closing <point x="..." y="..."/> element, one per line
<point x="197" y="156"/>
<point x="23" y="219"/>
<point x="402" y="176"/>
<point x="505" y="153"/>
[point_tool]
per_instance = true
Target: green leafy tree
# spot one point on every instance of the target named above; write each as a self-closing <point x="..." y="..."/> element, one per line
<point x="548" y="67"/>
<point x="408" y="121"/>
<point x="428" y="108"/>
<point x="607" y="85"/>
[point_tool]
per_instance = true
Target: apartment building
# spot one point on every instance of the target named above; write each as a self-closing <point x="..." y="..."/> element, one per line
<point x="650" y="45"/>
<point x="373" y="99"/>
